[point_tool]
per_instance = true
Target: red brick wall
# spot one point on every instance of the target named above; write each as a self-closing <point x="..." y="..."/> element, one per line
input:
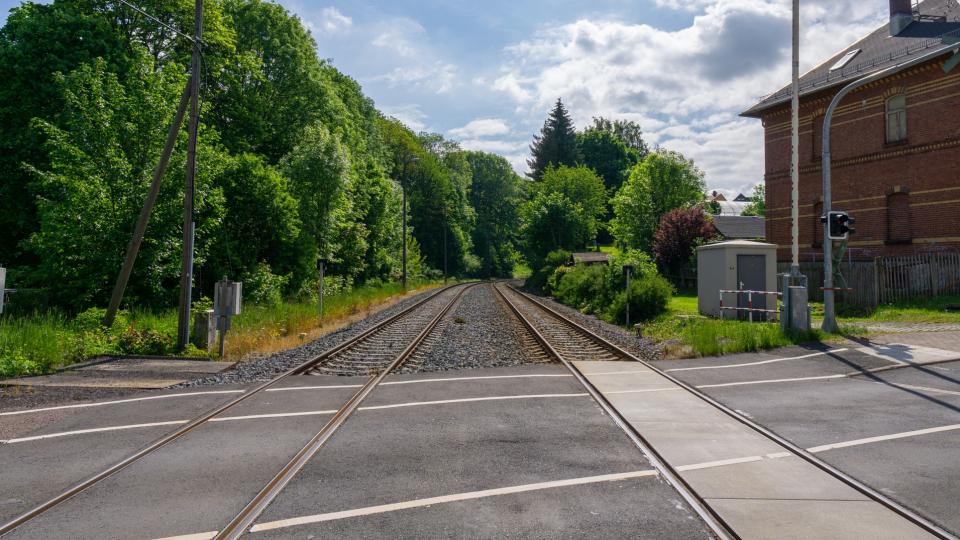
<point x="866" y="170"/>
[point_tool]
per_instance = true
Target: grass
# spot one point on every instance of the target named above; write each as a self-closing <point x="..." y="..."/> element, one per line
<point x="42" y="343"/>
<point x="685" y="332"/>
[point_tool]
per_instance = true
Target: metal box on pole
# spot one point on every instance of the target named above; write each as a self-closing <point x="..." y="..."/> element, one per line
<point x="227" y="296"/>
<point x="3" y="285"/>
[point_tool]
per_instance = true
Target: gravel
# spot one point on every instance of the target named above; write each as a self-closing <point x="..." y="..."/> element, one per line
<point x="644" y="348"/>
<point x="479" y="332"/>
<point x="268" y="367"/>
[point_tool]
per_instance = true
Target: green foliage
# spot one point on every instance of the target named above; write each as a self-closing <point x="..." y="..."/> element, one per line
<point x="540" y="277"/>
<point x="496" y="193"/>
<point x="627" y="131"/>
<point x="263" y="287"/>
<point x="648" y="297"/>
<point x="758" y="206"/>
<point x="556" y="145"/>
<point x="581" y="287"/>
<point x="662" y="182"/>
<point x="608" y="156"/>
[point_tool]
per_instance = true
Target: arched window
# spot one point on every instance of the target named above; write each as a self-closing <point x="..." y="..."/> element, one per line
<point x="898" y="218"/>
<point x="897" y="118"/>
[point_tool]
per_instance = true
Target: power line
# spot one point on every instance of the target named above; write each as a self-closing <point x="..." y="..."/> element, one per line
<point x="156" y="20"/>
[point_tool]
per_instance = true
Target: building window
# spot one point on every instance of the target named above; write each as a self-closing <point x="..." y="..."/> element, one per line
<point x="898" y="218"/>
<point x="897" y="119"/>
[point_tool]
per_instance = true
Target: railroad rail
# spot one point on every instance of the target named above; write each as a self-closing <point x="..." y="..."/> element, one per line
<point x="377" y="341"/>
<point x="545" y="324"/>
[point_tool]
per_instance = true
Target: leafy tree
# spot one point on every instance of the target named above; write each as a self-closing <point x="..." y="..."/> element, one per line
<point x="679" y="234"/>
<point x="496" y="194"/>
<point x="627" y="131"/>
<point x="93" y="181"/>
<point x="551" y="222"/>
<point x="581" y="186"/>
<point x="555" y="145"/>
<point x="758" y="205"/>
<point x="664" y="181"/>
<point x="608" y="156"/>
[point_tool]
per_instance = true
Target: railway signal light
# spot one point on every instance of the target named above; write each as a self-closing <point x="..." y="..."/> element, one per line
<point x="841" y="225"/>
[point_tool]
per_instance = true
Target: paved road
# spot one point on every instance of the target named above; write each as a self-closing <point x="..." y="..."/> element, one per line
<point x="899" y="429"/>
<point x="530" y="432"/>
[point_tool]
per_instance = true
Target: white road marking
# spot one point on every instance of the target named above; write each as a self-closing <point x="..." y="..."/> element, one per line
<point x="768" y="381"/>
<point x="418" y="503"/>
<point x="771" y="361"/>
<point x="286" y="415"/>
<point x="635" y="372"/>
<point x="92" y="430"/>
<point x="197" y="536"/>
<point x="119" y="401"/>
<point x="921" y="388"/>
<point x="720" y="463"/>
<point x="890" y="437"/>
<point x="317" y="387"/>
<point x="419" y="381"/>
<point x="467" y="400"/>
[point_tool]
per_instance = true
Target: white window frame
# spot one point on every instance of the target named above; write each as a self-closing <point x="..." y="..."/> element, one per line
<point x="896" y="119"/>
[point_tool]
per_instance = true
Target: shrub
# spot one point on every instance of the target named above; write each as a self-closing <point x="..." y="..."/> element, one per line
<point x="13" y="363"/>
<point x="541" y="275"/>
<point x="649" y="296"/>
<point x="581" y="287"/>
<point x="263" y="287"/>
<point x="144" y="341"/>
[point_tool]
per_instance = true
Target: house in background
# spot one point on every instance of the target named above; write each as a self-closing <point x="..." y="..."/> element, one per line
<point x="729" y="208"/>
<point x="740" y="227"/>
<point x="895" y="142"/>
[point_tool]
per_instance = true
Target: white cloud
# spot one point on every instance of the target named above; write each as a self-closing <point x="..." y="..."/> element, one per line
<point x="481" y="127"/>
<point x="332" y="21"/>
<point x="417" y="65"/>
<point x="438" y="77"/>
<point x="686" y="87"/>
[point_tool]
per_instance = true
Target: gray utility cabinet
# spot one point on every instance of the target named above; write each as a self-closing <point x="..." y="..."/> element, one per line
<point x="736" y="265"/>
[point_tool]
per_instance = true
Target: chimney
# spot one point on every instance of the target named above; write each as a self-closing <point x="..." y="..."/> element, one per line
<point x="901" y="16"/>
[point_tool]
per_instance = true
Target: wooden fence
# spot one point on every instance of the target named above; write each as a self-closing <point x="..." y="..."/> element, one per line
<point x="887" y="279"/>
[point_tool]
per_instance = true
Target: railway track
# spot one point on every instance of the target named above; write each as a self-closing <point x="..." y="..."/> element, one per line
<point x="375" y="352"/>
<point x="568" y="341"/>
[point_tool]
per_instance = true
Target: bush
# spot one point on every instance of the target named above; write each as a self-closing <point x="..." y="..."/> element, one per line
<point x="263" y="287"/>
<point x="539" y="278"/>
<point x="16" y="364"/>
<point x="581" y="287"/>
<point x="649" y="296"/>
<point x="144" y="341"/>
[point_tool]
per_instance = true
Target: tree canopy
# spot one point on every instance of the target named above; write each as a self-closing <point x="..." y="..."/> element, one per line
<point x="555" y="145"/>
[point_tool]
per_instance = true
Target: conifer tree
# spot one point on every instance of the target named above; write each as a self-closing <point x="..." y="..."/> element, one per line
<point x="556" y="145"/>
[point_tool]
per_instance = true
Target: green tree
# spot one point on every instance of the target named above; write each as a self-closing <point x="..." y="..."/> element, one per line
<point x="579" y="184"/>
<point x="555" y="145"/>
<point x="496" y="194"/>
<point x="662" y="182"/>
<point x="608" y="156"/>
<point x="627" y="131"/>
<point x="92" y="182"/>
<point x="758" y="204"/>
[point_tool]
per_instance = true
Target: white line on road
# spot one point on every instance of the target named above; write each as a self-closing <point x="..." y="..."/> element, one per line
<point x="881" y="438"/>
<point x="768" y="381"/>
<point x="119" y="401"/>
<point x="771" y="361"/>
<point x="632" y="372"/>
<point x="418" y="503"/>
<point x="286" y="415"/>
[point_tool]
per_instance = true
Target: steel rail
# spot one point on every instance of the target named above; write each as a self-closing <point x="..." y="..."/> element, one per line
<point x="240" y="524"/>
<point x="876" y="496"/>
<point x="716" y="524"/>
<point x="203" y="418"/>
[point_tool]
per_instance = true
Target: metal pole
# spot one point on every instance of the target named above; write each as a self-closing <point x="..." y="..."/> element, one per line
<point x="133" y="248"/>
<point x="403" y="188"/>
<point x="795" y="138"/>
<point x="321" y="288"/>
<point x="829" y="311"/>
<point x="186" y="272"/>
<point x="628" y="298"/>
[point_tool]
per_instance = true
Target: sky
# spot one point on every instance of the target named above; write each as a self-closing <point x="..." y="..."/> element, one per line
<point x="487" y="73"/>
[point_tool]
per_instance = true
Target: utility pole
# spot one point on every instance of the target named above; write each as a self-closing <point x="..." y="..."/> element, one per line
<point x="133" y="248"/>
<point x="795" y="139"/>
<point x="186" y="275"/>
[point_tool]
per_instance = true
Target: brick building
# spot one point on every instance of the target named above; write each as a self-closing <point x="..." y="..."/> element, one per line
<point x="895" y="144"/>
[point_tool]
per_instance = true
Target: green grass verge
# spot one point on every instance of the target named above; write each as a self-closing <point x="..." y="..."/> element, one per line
<point x="686" y="333"/>
<point x="41" y="343"/>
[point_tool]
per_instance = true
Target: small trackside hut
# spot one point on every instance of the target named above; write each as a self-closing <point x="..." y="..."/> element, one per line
<point x="726" y="268"/>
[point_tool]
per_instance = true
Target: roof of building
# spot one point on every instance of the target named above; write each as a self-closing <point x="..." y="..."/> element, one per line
<point x="878" y="51"/>
<point x="589" y="257"/>
<point x="741" y="198"/>
<point x="740" y="227"/>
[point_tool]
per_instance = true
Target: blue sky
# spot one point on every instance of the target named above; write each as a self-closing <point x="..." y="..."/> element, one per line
<point x="486" y="73"/>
